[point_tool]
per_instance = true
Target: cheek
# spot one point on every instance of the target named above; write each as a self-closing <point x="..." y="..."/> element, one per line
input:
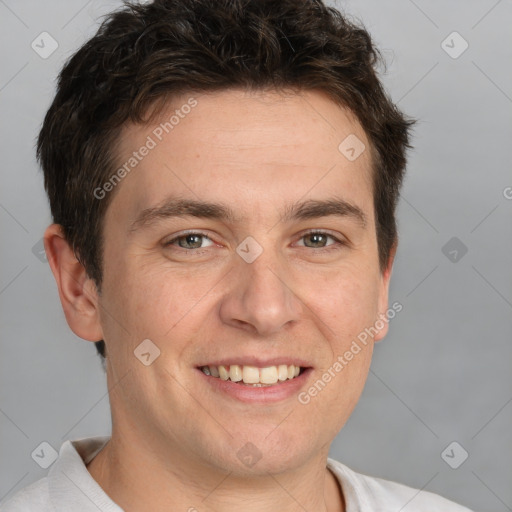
<point x="148" y="300"/>
<point x="348" y="307"/>
<point x="348" y="303"/>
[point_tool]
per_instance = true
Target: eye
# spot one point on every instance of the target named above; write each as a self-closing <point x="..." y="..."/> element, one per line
<point x="319" y="239"/>
<point x="191" y="240"/>
<point x="195" y="240"/>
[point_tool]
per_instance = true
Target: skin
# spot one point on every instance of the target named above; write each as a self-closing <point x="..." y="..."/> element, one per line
<point x="174" y="438"/>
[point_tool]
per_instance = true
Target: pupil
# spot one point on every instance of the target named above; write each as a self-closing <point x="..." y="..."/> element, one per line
<point x="316" y="238"/>
<point x="190" y="239"/>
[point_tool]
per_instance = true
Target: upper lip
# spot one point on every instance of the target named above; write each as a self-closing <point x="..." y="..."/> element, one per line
<point x="257" y="361"/>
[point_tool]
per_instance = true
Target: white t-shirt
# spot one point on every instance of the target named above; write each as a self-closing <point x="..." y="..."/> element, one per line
<point x="69" y="487"/>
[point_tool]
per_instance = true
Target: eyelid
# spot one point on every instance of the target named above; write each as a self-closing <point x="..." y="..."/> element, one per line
<point x="182" y="234"/>
<point x="339" y="240"/>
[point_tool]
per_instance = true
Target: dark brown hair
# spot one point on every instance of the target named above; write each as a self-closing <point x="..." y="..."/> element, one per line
<point x="144" y="54"/>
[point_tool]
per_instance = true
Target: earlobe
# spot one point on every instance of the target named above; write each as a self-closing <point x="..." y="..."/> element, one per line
<point x="77" y="292"/>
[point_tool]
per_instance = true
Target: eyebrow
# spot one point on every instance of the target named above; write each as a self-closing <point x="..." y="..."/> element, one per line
<point x="309" y="209"/>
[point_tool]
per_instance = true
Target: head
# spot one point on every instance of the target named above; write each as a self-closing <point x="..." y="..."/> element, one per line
<point x="231" y="119"/>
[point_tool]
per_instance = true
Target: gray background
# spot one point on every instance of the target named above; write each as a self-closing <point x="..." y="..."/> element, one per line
<point x="443" y="372"/>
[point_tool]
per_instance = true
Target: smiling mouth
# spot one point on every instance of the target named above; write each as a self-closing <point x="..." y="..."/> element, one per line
<point x="252" y="375"/>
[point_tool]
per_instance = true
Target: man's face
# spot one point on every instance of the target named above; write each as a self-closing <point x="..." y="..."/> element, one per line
<point x="199" y="289"/>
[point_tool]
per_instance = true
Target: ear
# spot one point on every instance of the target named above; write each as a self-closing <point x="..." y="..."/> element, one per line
<point x="384" y="296"/>
<point x="77" y="292"/>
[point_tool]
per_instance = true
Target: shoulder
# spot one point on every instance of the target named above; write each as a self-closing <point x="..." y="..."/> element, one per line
<point x="68" y="485"/>
<point x="33" y="497"/>
<point x="370" y="493"/>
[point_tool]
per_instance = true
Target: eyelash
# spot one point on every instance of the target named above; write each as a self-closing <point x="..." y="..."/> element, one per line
<point x="338" y="243"/>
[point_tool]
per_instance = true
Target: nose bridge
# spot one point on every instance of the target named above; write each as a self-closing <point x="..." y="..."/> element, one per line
<point x="261" y="296"/>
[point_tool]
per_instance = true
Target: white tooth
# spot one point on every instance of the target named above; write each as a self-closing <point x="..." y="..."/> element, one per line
<point x="235" y="373"/>
<point x="206" y="370"/>
<point x="297" y="371"/>
<point x="291" y="371"/>
<point x="251" y="374"/>
<point x="282" y="372"/>
<point x="214" y="371"/>
<point x="268" y="375"/>
<point x="223" y="373"/>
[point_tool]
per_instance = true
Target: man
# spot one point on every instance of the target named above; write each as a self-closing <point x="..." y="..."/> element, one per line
<point x="223" y="179"/>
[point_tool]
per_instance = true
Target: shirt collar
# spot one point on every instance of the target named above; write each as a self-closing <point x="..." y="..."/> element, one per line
<point x="71" y="486"/>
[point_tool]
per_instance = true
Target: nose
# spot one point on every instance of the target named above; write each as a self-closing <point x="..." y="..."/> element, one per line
<point x="261" y="298"/>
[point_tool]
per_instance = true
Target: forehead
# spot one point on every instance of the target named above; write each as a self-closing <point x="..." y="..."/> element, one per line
<point x="245" y="147"/>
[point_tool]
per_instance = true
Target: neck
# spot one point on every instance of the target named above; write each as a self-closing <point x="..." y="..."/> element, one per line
<point x="138" y="477"/>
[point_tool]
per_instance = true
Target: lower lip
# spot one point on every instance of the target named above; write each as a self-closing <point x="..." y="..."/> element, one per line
<point x="264" y="394"/>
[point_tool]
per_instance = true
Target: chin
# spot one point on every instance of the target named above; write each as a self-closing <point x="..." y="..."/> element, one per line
<point x="262" y="454"/>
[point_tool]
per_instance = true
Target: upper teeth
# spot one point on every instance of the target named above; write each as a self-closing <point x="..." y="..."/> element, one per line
<point x="252" y="374"/>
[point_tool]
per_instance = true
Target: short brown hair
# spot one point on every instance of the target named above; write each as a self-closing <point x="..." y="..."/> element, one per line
<point x="144" y="54"/>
